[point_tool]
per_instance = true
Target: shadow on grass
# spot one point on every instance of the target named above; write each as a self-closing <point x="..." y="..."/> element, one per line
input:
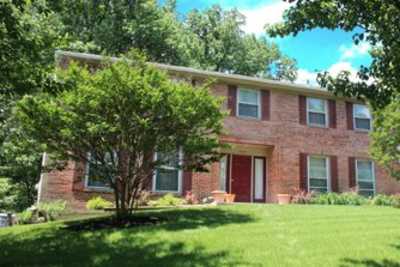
<point x="58" y="246"/>
<point x="347" y="262"/>
<point x="370" y="263"/>
<point x="170" y="219"/>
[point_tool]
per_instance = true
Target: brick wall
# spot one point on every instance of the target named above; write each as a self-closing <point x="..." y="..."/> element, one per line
<point x="289" y="138"/>
<point x="280" y="139"/>
<point x="69" y="185"/>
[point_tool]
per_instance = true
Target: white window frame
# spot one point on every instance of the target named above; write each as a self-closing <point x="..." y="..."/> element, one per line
<point x="319" y="112"/>
<point x="180" y="175"/>
<point x="222" y="184"/>
<point x="328" y="176"/>
<point x="373" y="175"/>
<point x="90" y="187"/>
<point x="238" y="102"/>
<point x="355" y="117"/>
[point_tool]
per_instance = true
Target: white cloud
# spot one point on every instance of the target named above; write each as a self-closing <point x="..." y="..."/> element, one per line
<point x="256" y="18"/>
<point x="309" y="77"/>
<point x="336" y="68"/>
<point x="348" y="52"/>
<point x="306" y="77"/>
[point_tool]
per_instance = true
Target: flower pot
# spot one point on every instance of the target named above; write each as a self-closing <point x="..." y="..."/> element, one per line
<point x="284" y="199"/>
<point x="229" y="198"/>
<point x="218" y="196"/>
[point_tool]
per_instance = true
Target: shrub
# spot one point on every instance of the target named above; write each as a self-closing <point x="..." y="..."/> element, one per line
<point x="396" y="201"/>
<point x="386" y="200"/>
<point x="98" y="203"/>
<point x="352" y="198"/>
<point x="383" y="200"/>
<point x="168" y="200"/>
<point x="348" y="198"/>
<point x="51" y="210"/>
<point x="25" y="217"/>
<point x="327" y="199"/>
<point x="302" y="197"/>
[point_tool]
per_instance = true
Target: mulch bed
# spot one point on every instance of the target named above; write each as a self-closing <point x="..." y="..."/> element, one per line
<point x="112" y="223"/>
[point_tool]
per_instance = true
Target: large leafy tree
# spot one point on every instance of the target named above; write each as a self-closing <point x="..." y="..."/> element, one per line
<point x="386" y="138"/>
<point x="211" y="39"/>
<point x="121" y="115"/>
<point x="376" y="22"/>
<point x="225" y="47"/>
<point x="115" y="26"/>
<point x="29" y="32"/>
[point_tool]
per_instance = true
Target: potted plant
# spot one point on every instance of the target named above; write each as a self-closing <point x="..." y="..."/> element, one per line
<point x="284" y="199"/>
<point x="229" y="198"/>
<point x="218" y="196"/>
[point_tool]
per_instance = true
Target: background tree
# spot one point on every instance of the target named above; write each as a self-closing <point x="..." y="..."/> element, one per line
<point x="211" y="39"/>
<point x="29" y="31"/>
<point x="113" y="27"/>
<point x="386" y="137"/>
<point x="122" y="114"/>
<point x="376" y="22"/>
<point x="225" y="47"/>
<point x="21" y="165"/>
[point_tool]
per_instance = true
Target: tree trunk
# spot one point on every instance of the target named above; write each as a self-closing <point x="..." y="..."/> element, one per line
<point x="122" y="210"/>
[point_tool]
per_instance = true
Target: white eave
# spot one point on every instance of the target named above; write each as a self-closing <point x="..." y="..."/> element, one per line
<point x="236" y="79"/>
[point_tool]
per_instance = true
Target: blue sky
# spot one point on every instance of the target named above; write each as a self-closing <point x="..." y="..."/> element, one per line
<point x="316" y="50"/>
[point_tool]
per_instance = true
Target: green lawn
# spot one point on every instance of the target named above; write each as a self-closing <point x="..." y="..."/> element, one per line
<point x="240" y="235"/>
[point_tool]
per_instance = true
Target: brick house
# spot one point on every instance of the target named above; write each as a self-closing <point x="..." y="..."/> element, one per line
<point x="284" y="137"/>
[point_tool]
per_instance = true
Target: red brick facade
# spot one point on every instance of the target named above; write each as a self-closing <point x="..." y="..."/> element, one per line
<point x="281" y="136"/>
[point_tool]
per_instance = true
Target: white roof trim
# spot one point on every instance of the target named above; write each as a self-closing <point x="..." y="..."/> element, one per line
<point x="225" y="77"/>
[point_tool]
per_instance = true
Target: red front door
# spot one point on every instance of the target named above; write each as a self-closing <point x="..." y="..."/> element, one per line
<point x="241" y="178"/>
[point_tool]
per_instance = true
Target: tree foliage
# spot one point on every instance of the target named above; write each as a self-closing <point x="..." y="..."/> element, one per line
<point x="225" y="47"/>
<point x="29" y="34"/>
<point x="31" y="31"/>
<point x="385" y="146"/>
<point x="125" y="112"/>
<point x="115" y="26"/>
<point x="375" y="22"/>
<point x="211" y="39"/>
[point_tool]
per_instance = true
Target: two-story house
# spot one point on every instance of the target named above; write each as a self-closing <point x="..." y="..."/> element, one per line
<point x="283" y="137"/>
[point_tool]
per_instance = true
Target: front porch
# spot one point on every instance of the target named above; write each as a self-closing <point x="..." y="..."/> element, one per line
<point x="244" y="171"/>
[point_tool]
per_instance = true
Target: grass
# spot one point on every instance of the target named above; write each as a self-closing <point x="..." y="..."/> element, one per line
<point x="239" y="235"/>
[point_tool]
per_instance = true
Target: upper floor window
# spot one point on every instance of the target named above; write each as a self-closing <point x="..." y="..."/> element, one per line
<point x="167" y="177"/>
<point x="362" y="117"/>
<point x="318" y="174"/>
<point x="249" y="103"/>
<point x="365" y="177"/>
<point x="96" y="176"/>
<point x="316" y="112"/>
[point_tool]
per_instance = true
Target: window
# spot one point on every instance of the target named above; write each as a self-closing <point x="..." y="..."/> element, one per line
<point x="223" y="164"/>
<point x="248" y="103"/>
<point x="167" y="177"/>
<point x="316" y="112"/>
<point x="365" y="177"/>
<point x="318" y="174"/>
<point x="362" y="117"/>
<point x="95" y="176"/>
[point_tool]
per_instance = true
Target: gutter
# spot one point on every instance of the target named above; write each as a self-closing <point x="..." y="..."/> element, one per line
<point x="219" y="76"/>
